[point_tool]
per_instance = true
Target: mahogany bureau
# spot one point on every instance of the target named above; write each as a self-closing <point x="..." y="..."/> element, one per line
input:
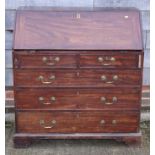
<point x="77" y="74"/>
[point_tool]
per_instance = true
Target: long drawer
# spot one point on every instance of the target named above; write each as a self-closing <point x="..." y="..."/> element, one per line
<point x="84" y="99"/>
<point x="77" y="78"/>
<point x="79" y="122"/>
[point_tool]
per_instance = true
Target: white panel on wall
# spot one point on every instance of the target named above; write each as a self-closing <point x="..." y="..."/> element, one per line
<point x="10" y="19"/>
<point x="140" y="4"/>
<point x="146" y="76"/>
<point x="8" y="77"/>
<point x="147" y="58"/>
<point x="8" y="40"/>
<point x="145" y="16"/>
<point x="8" y="59"/>
<point x="147" y="40"/>
<point x="14" y="4"/>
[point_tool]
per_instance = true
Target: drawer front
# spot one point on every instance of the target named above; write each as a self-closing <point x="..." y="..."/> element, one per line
<point x="44" y="61"/>
<point x="83" y="78"/>
<point x="114" y="60"/>
<point x="80" y="122"/>
<point x="71" y="99"/>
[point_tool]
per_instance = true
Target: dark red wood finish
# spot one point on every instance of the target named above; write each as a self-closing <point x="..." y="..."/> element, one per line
<point x="109" y="60"/>
<point x="79" y="78"/>
<point x="78" y="30"/>
<point x="80" y="122"/>
<point x="24" y="140"/>
<point x="45" y="60"/>
<point x="69" y="59"/>
<point x="77" y="75"/>
<point x="79" y="99"/>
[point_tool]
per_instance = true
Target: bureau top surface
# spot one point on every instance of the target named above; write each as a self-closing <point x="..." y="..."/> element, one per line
<point x="112" y="29"/>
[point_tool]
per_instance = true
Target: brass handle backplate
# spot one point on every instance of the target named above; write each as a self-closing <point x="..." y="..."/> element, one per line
<point x="50" y="60"/>
<point x="49" y="81"/>
<point x="104" y="100"/>
<point x="103" y="60"/>
<point x="47" y="125"/>
<point x="42" y="100"/>
<point x="104" y="78"/>
<point x="103" y="122"/>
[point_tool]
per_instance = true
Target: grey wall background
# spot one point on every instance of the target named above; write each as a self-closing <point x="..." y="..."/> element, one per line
<point x="12" y="5"/>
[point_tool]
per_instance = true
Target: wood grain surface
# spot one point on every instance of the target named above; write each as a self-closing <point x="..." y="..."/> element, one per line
<point x="75" y="99"/>
<point x="45" y="60"/>
<point x="76" y="78"/>
<point x="69" y="122"/>
<point x="76" y="59"/>
<point x="78" y="30"/>
<point x="77" y="71"/>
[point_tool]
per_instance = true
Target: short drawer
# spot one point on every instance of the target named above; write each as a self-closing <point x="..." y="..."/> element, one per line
<point x="112" y="60"/>
<point x="79" y="122"/>
<point x="73" y="99"/>
<point x="44" y="60"/>
<point x="82" y="78"/>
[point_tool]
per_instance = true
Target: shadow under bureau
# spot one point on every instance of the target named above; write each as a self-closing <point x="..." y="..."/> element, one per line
<point x="77" y="74"/>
